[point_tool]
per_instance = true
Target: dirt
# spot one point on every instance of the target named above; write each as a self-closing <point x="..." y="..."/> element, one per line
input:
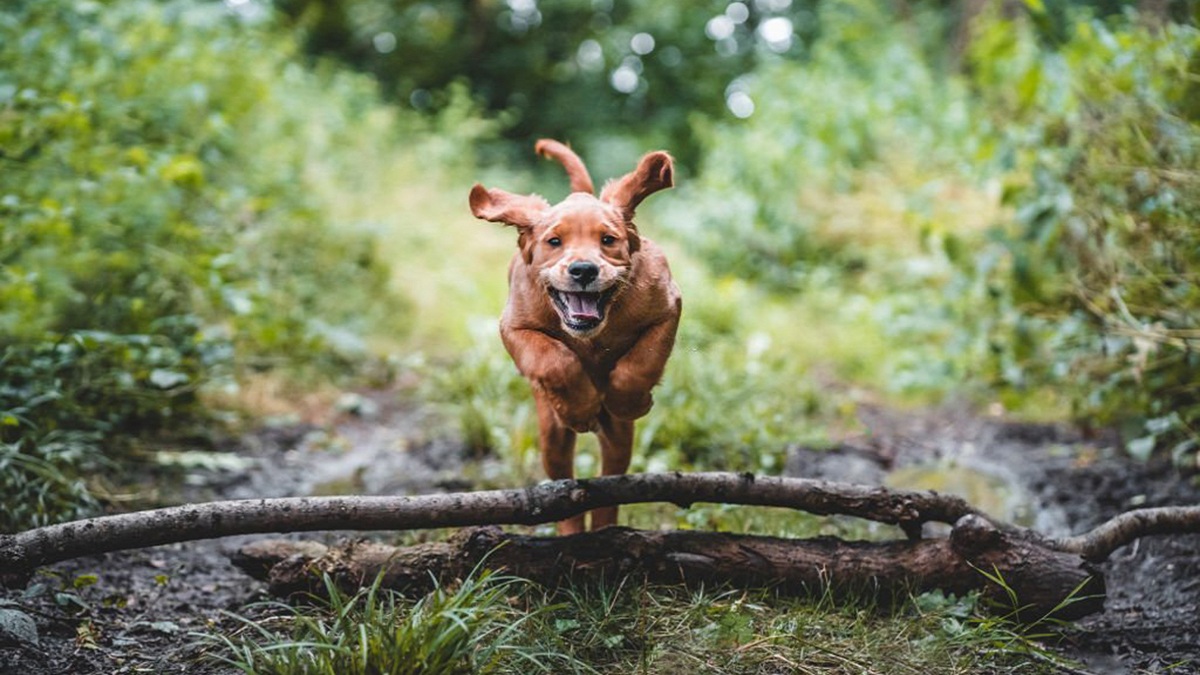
<point x="1056" y="480"/>
<point x="143" y="611"/>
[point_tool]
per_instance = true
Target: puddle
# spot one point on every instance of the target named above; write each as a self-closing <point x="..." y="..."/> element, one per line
<point x="999" y="498"/>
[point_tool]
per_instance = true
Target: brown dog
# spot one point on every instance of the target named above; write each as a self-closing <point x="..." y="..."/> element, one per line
<point x="592" y="311"/>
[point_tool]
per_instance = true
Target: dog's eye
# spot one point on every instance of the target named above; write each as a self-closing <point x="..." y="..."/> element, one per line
<point x="608" y="240"/>
<point x="554" y="241"/>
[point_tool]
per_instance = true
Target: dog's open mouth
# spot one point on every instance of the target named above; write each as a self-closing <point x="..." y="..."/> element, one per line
<point x="580" y="310"/>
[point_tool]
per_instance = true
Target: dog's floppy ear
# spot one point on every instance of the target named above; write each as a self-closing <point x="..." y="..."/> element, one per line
<point x="498" y="206"/>
<point x="655" y="172"/>
<point x="520" y="211"/>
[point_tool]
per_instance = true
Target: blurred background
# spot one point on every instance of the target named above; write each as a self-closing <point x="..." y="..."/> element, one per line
<point x="214" y="213"/>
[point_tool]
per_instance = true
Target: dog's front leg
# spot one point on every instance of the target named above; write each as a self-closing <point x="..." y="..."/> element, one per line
<point x="556" y="372"/>
<point x="628" y="396"/>
<point x="567" y="402"/>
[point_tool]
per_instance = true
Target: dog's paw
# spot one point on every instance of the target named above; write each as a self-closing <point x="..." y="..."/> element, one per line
<point x="628" y="405"/>
<point x="579" y="415"/>
<point x="576" y="401"/>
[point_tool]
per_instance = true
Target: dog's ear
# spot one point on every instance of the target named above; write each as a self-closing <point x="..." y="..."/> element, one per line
<point x="498" y="206"/>
<point x="654" y="172"/>
<point x="633" y="238"/>
<point x="520" y="211"/>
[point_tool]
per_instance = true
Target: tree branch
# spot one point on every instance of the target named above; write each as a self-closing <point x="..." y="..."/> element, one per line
<point x="1097" y="545"/>
<point x="544" y="503"/>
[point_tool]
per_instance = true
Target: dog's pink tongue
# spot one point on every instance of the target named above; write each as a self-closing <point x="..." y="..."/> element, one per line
<point x="583" y="305"/>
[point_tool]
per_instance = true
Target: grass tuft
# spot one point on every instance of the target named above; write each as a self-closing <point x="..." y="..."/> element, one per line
<point x="474" y="627"/>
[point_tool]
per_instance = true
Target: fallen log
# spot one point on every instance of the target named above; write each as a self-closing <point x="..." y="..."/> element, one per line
<point x="973" y="558"/>
<point x="1043" y="573"/>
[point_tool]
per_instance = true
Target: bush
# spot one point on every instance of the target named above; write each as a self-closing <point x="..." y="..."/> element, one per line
<point x="851" y="150"/>
<point x="66" y="406"/>
<point x="1024" y="227"/>
<point x="161" y="227"/>
<point x="1092" y="286"/>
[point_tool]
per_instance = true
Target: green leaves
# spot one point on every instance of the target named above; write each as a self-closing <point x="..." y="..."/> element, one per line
<point x="1102" y="243"/>
<point x="158" y="229"/>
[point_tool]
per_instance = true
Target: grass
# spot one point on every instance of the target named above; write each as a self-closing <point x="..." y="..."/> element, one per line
<point x="494" y="624"/>
<point x="469" y="628"/>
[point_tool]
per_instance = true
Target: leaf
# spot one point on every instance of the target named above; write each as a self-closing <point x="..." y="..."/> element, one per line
<point x="1140" y="448"/>
<point x="564" y="625"/>
<point x="85" y="580"/>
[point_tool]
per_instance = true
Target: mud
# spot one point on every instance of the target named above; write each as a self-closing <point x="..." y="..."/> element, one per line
<point x="1056" y="480"/>
<point x="142" y="611"/>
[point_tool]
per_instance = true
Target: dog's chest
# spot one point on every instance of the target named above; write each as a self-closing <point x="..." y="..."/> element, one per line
<point x="600" y="355"/>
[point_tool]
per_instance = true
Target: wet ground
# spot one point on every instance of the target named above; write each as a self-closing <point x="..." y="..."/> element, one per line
<point x="1055" y="480"/>
<point x="139" y="611"/>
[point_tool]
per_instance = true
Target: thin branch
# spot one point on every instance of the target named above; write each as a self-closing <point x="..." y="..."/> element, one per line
<point x="1097" y="545"/>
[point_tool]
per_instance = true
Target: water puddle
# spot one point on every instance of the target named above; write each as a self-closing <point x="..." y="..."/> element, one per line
<point x="999" y="497"/>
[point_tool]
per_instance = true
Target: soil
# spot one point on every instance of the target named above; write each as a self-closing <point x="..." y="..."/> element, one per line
<point x="142" y="611"/>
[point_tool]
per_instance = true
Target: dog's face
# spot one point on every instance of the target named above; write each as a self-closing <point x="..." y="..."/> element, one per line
<point x="582" y="254"/>
<point x="582" y="248"/>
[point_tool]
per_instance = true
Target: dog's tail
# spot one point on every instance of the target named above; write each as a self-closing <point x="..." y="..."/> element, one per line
<point x="581" y="181"/>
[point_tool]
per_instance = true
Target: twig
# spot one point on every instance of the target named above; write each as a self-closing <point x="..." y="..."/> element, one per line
<point x="1097" y="545"/>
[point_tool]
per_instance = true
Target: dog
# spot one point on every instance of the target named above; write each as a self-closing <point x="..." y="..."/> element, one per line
<point x="592" y="311"/>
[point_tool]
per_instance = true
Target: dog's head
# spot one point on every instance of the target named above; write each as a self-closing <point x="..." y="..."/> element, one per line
<point x="581" y="248"/>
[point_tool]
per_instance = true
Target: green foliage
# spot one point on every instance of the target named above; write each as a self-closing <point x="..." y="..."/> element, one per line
<point x="66" y="406"/>
<point x="1025" y="228"/>
<point x="734" y="395"/>
<point x="160" y="228"/>
<point x="550" y="68"/>
<point x="471" y="628"/>
<point x="598" y="71"/>
<point x="842" y="152"/>
<point x="1092" y="286"/>
<point x="153" y="170"/>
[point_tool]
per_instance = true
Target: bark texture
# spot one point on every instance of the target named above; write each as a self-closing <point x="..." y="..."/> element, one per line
<point x="1045" y="581"/>
<point x="544" y="503"/>
<point x="1044" y="574"/>
<point x="1098" y="544"/>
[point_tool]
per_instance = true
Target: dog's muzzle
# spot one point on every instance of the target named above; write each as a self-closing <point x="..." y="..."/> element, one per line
<point x="581" y="311"/>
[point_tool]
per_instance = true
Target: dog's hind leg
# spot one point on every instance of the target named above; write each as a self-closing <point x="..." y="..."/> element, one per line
<point x="616" y="451"/>
<point x="557" y="443"/>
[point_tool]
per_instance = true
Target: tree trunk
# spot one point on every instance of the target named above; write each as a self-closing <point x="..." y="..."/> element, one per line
<point x="976" y="557"/>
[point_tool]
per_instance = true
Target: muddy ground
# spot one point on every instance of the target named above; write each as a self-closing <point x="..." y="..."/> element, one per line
<point x="139" y="611"/>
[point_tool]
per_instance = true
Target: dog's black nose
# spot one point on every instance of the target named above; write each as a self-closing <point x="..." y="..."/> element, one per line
<point x="583" y="273"/>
